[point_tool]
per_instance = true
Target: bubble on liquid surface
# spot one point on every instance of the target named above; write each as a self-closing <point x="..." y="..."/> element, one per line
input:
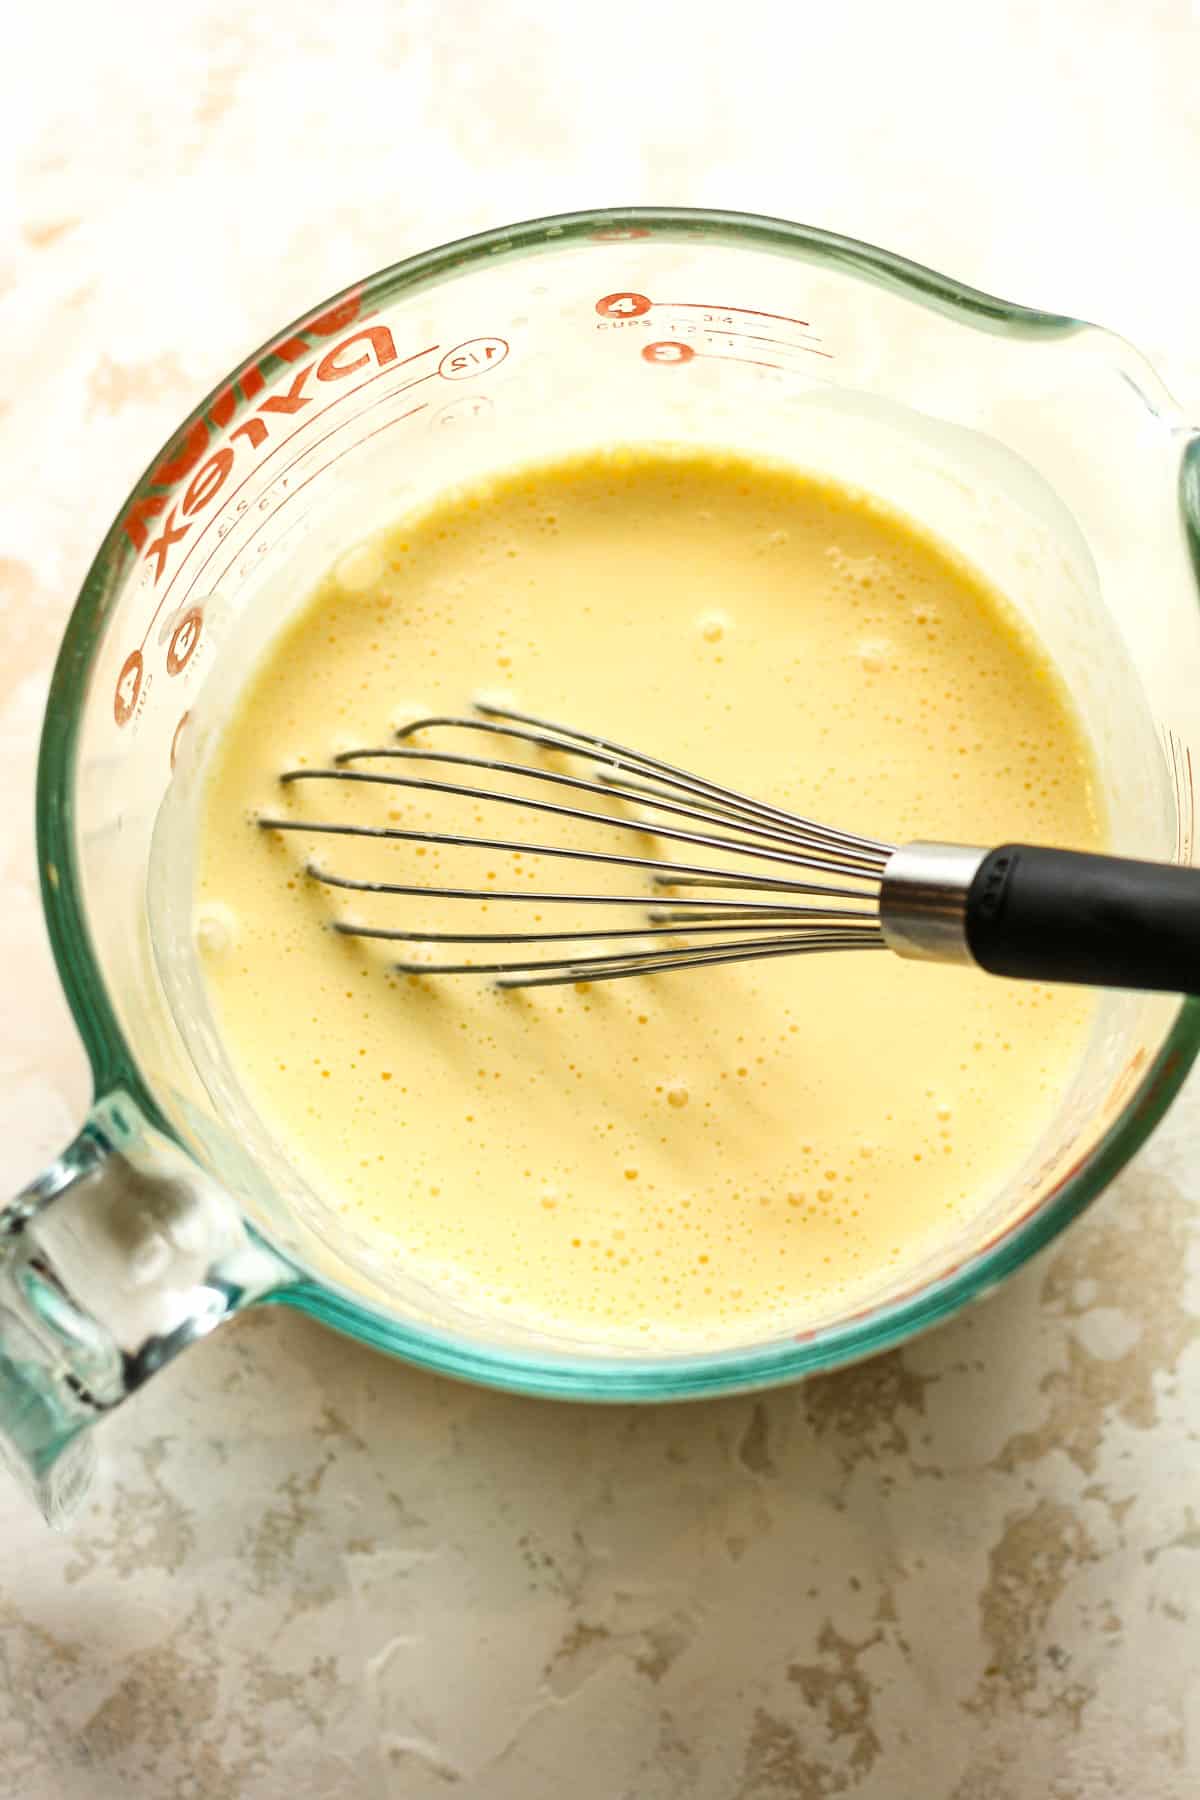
<point x="714" y="625"/>
<point x="216" y="929"/>
<point x="875" y="654"/>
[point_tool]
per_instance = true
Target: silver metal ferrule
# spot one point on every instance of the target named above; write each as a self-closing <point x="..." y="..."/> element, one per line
<point x="923" y="901"/>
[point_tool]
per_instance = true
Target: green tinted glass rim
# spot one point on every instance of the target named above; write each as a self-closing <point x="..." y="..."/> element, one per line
<point x="114" y="1067"/>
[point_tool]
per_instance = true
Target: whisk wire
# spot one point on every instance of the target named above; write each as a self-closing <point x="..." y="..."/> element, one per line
<point x="614" y="757"/>
<point x="759" y="850"/>
<point x="570" y="974"/>
<point x="851" y="866"/>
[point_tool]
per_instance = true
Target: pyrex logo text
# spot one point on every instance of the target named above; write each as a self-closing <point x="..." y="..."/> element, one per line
<point x="156" y="521"/>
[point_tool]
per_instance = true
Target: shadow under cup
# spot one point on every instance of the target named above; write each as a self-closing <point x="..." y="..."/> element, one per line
<point x="1042" y="450"/>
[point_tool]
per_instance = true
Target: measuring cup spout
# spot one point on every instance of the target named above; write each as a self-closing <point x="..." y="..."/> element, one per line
<point x="116" y="1258"/>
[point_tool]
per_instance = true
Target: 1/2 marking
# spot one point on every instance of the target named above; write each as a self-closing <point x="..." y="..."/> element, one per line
<point x="476" y="357"/>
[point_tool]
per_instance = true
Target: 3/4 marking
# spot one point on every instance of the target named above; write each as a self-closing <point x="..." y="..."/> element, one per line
<point x="623" y="306"/>
<point x="747" y="311"/>
<point x="476" y="357"/>
<point x="716" y="322"/>
<point x="667" y="351"/>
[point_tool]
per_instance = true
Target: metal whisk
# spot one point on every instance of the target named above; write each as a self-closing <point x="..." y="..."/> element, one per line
<point x="1020" y="910"/>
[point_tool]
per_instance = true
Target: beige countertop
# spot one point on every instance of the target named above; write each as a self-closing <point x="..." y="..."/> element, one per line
<point x="969" y="1570"/>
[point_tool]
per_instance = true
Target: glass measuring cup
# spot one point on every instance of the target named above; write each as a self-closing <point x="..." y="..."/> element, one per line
<point x="1044" y="449"/>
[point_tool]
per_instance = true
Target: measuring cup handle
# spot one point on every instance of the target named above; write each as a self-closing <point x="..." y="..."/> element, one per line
<point x="122" y="1254"/>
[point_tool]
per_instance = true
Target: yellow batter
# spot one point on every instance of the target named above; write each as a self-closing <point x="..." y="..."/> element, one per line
<point x="697" y="1156"/>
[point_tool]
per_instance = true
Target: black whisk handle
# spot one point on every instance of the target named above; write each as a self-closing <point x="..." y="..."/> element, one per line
<point x="1104" y="921"/>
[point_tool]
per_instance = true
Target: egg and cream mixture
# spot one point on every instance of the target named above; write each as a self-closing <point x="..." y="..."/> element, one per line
<point x="691" y="1157"/>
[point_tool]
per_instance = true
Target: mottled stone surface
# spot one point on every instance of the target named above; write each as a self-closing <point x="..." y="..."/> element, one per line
<point x="967" y="1571"/>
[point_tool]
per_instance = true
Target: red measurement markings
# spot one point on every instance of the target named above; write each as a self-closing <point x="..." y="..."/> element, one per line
<point x="300" y="486"/>
<point x="623" y="306"/>
<point x="627" y="305"/>
<point x="129" y="686"/>
<point x="282" y="445"/>
<point x="749" y="311"/>
<point x="188" y="451"/>
<point x="476" y="357"/>
<point x="184" y="640"/>
<point x="207" y="482"/>
<point x="1121" y="1088"/>
<point x="752" y="337"/>
<point x="186" y="635"/>
<point x="670" y="351"/>
<point x="751" y="362"/>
